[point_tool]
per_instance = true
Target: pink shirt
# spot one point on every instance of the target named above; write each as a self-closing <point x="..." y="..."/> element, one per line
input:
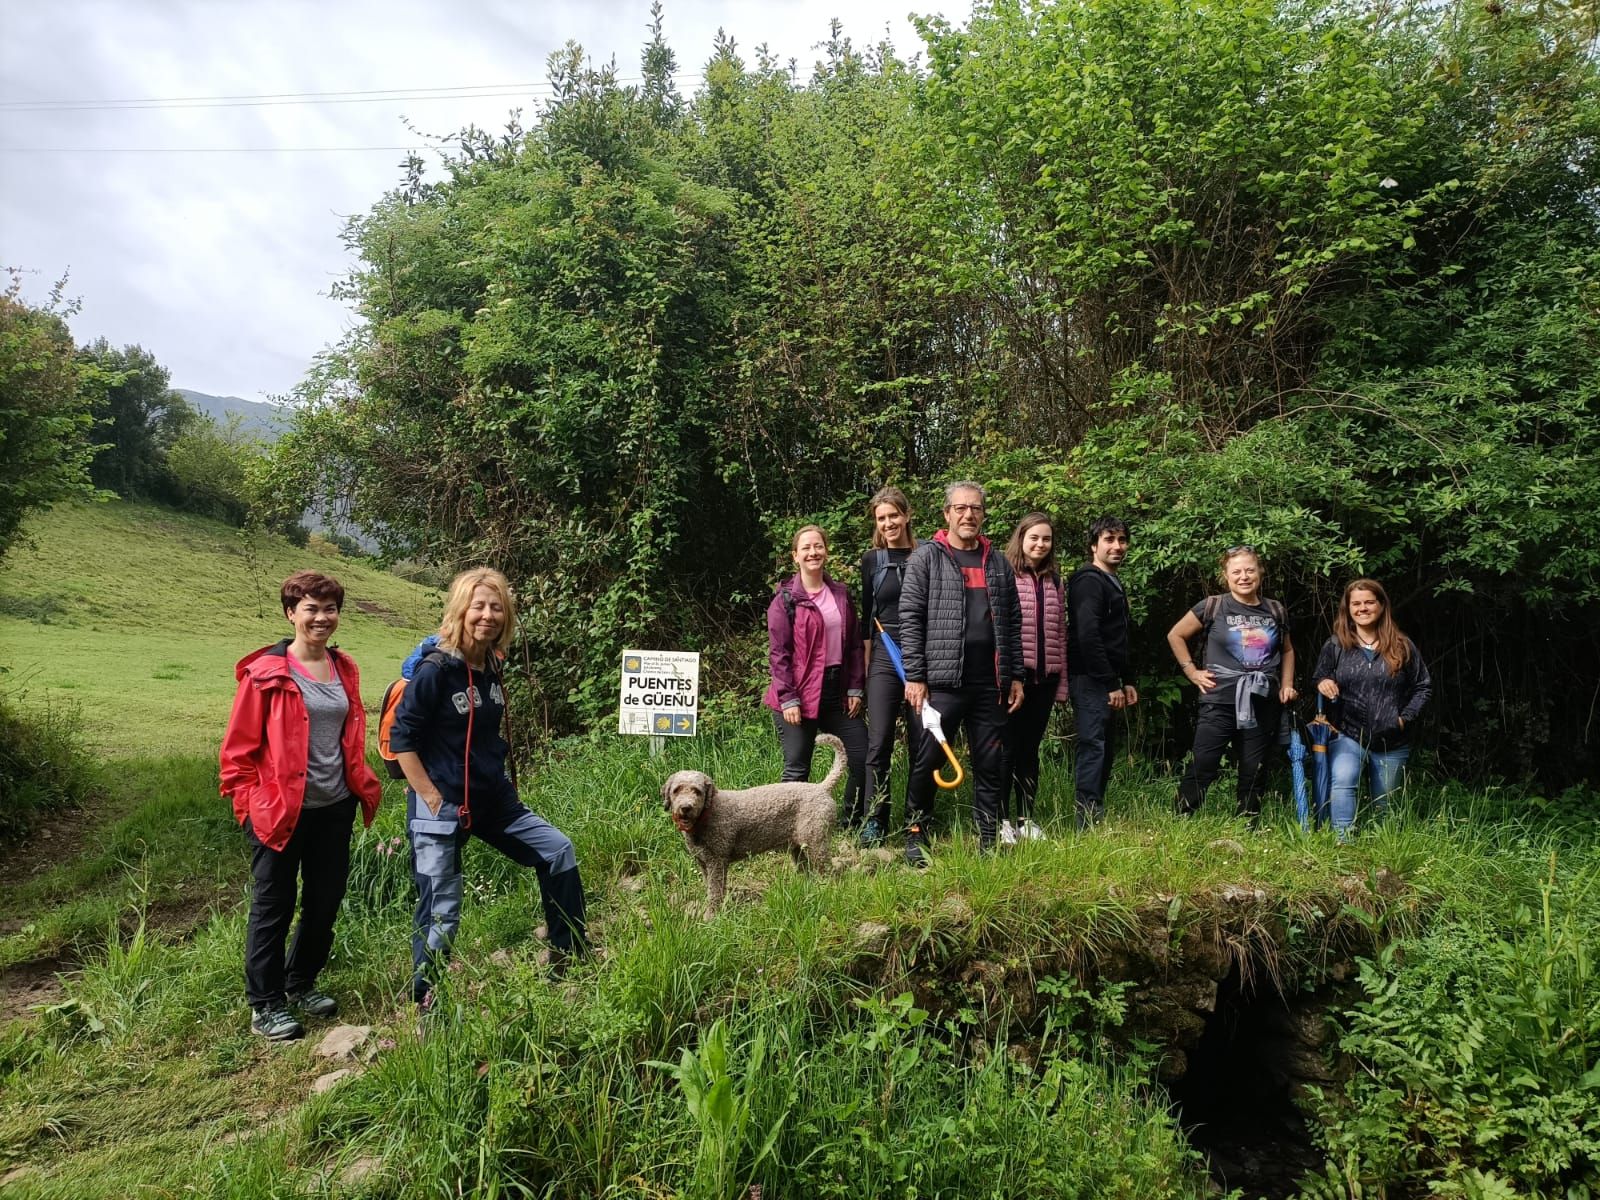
<point x="832" y="626"/>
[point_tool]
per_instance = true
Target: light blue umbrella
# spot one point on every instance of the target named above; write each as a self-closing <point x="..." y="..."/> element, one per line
<point x="1321" y="731"/>
<point x="1297" y="775"/>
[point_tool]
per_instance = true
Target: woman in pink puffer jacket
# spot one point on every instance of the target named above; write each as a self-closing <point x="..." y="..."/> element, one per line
<point x="1041" y="601"/>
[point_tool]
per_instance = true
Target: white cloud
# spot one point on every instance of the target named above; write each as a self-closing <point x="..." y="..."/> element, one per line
<point x="219" y="263"/>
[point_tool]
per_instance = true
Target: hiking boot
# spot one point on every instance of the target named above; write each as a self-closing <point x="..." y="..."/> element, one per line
<point x="1027" y="831"/>
<point x="871" y="834"/>
<point x="276" y="1023"/>
<point x="1008" y="834"/>
<point x="916" y="848"/>
<point x="313" y="1003"/>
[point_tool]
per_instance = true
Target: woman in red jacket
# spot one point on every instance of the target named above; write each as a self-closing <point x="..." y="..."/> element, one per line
<point x="818" y="666"/>
<point x="294" y="762"/>
<point x="1041" y="601"/>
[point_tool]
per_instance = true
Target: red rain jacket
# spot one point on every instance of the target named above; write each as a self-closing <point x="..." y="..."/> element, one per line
<point x="263" y="761"/>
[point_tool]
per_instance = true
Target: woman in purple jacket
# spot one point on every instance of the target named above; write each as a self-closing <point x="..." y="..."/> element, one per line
<point x="1041" y="601"/>
<point x="818" y="668"/>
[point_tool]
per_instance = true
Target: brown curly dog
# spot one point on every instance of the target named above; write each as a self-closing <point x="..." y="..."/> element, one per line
<point x="721" y="827"/>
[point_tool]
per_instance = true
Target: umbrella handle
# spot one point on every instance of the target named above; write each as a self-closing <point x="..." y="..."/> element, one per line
<point x="939" y="779"/>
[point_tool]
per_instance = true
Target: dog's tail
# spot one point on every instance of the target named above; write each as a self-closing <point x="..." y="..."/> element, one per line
<point x="835" y="772"/>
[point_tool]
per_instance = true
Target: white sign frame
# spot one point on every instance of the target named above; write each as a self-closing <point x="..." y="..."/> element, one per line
<point x="659" y="693"/>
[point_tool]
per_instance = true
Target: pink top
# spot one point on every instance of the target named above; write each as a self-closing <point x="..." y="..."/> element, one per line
<point x="832" y="627"/>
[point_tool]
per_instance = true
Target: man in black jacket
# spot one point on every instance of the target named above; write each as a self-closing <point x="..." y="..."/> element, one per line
<point x="961" y="635"/>
<point x="1097" y="660"/>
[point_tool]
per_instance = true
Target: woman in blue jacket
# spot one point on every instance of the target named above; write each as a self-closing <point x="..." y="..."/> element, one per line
<point x="447" y="739"/>
<point x="1378" y="680"/>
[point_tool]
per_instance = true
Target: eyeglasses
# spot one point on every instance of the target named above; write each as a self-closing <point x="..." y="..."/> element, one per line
<point x="1242" y="548"/>
<point x="962" y="510"/>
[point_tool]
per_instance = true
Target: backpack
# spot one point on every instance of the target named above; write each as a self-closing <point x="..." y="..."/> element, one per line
<point x="882" y="564"/>
<point x="425" y="649"/>
<point x="1197" y="644"/>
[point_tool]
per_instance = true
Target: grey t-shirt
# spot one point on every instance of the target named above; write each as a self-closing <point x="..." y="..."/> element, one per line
<point x="1243" y="637"/>
<point x="326" y="706"/>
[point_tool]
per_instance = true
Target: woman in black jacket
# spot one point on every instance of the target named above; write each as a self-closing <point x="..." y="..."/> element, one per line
<point x="1380" y="683"/>
<point x="882" y="569"/>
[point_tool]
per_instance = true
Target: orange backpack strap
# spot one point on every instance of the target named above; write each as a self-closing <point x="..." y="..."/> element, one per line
<point x="386" y="712"/>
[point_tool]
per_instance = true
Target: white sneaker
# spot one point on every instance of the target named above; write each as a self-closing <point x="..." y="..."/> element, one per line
<point x="1008" y="834"/>
<point x="1027" y="831"/>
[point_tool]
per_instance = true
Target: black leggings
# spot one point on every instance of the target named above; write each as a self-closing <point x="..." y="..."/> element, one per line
<point x="1212" y="735"/>
<point x="1024" y="733"/>
<point x="886" y="710"/>
<point x="798" y="741"/>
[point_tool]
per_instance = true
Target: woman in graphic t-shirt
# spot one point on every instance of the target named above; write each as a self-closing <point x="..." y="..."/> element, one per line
<point x="1376" y="676"/>
<point x="882" y="569"/>
<point x="814" y="648"/>
<point x="1245" y="674"/>
<point x="294" y="762"/>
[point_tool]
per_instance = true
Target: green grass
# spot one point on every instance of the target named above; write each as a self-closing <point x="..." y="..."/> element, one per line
<point x="144" y="1075"/>
<point x="137" y="614"/>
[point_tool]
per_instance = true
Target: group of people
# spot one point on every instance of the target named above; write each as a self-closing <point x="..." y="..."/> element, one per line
<point x="294" y="762"/>
<point x="993" y="640"/>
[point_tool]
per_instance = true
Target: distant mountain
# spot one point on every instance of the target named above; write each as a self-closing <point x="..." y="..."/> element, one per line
<point x="254" y="416"/>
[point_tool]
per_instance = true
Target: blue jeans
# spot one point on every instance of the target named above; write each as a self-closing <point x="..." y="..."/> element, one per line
<point x="526" y="838"/>
<point x="1385" y="773"/>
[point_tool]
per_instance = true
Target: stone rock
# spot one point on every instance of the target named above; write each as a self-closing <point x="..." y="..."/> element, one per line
<point x="1308" y="1066"/>
<point x="954" y="910"/>
<point x="1389" y="884"/>
<point x="358" y="1172"/>
<point x="501" y="958"/>
<point x="343" y="1041"/>
<point x="871" y="937"/>
<point x="1234" y="894"/>
<point x="633" y="884"/>
<point x="1227" y="844"/>
<point x="17" y="1174"/>
<point x="882" y="856"/>
<point x="326" y="1083"/>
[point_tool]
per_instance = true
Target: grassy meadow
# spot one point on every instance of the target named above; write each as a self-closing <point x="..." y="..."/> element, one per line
<point x="960" y="1032"/>
<point x="135" y="615"/>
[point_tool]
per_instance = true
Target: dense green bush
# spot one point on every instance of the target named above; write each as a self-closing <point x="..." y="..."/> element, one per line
<point x="1478" y="1055"/>
<point x="1286" y="272"/>
<point x="44" y="766"/>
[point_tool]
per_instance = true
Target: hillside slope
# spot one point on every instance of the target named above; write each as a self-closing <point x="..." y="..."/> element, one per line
<point x="137" y="615"/>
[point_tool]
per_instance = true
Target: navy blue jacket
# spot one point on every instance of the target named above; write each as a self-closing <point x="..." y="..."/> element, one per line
<point x="1371" y="702"/>
<point x="431" y="722"/>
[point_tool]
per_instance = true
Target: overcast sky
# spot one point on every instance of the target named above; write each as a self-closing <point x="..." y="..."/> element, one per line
<point x="209" y="234"/>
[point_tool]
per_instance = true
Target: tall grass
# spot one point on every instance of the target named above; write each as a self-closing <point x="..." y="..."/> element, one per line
<point x="895" y="1057"/>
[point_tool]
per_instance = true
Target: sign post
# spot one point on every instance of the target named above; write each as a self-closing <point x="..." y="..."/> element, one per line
<point x="660" y="695"/>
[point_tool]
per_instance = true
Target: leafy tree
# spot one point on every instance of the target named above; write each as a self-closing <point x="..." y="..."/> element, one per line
<point x="46" y="396"/>
<point x="138" y="417"/>
<point x="213" y="468"/>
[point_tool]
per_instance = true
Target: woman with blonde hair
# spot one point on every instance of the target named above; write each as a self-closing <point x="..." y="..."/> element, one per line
<point x="883" y="568"/>
<point x="1376" y="677"/>
<point x="1245" y="674"/>
<point x="447" y="737"/>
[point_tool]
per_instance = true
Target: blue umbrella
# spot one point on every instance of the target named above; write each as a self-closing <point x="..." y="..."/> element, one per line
<point x="1320" y="732"/>
<point x="1297" y="775"/>
<point x="930" y="715"/>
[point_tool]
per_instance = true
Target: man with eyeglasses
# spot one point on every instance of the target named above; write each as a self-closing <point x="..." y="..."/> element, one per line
<point x="961" y="635"/>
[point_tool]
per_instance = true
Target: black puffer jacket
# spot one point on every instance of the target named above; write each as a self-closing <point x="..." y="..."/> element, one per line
<point x="1372" y="703"/>
<point x="933" y="616"/>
